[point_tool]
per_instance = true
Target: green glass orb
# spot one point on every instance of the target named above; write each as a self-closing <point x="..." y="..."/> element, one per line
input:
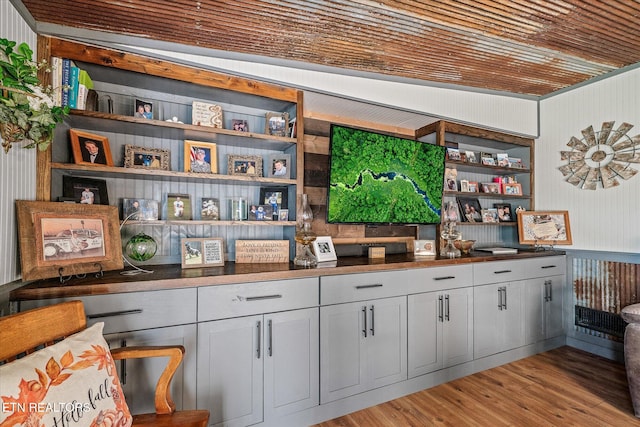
<point x="141" y="247"/>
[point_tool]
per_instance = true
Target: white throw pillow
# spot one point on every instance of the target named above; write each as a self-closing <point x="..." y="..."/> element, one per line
<point x="72" y="383"/>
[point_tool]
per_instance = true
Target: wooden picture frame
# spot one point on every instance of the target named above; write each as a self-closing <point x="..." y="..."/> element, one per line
<point x="324" y="250"/>
<point x="200" y="157"/>
<point x="146" y="158"/>
<point x="279" y="166"/>
<point x="512" y="188"/>
<point x="544" y="228"/>
<point x="86" y="191"/>
<point x="84" y="144"/>
<point x="67" y="239"/>
<point x="277" y="124"/>
<point x="202" y="252"/>
<point x="244" y="165"/>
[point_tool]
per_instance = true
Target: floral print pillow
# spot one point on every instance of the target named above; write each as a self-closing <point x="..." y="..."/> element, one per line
<point x="72" y="383"/>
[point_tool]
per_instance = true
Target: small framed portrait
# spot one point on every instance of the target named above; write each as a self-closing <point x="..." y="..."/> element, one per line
<point x="490" y="215"/>
<point x="209" y="209"/>
<point x="86" y="191"/>
<point x="277" y="124"/>
<point x="178" y="206"/>
<point x="143" y="109"/>
<point x="146" y="158"/>
<point x="139" y="209"/>
<point x="424" y="247"/>
<point x="505" y="213"/>
<point x="202" y="252"/>
<point x="279" y="166"/>
<point x="473" y="186"/>
<point x="464" y="185"/>
<point x="90" y="149"/>
<point x="283" y="215"/>
<point x="62" y="239"/>
<point x="491" y="187"/>
<point x="261" y="213"/>
<point x="276" y="197"/>
<point x="544" y="228"/>
<point x="450" y="212"/>
<point x="512" y="188"/>
<point x="324" y="250"/>
<point x="244" y="165"/>
<point x="470" y="209"/>
<point x="200" y="157"/>
<point x="240" y="125"/>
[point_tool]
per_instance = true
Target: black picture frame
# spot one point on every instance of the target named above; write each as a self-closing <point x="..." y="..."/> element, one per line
<point x="282" y="197"/>
<point x="505" y="212"/>
<point x="470" y="210"/>
<point x="74" y="186"/>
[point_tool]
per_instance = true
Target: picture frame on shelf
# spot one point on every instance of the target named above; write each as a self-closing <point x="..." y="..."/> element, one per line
<point x="209" y="209"/>
<point x="516" y="163"/>
<point x="206" y="114"/>
<point x="90" y="149"/>
<point x="544" y="228"/>
<point x="279" y="166"/>
<point x="464" y="185"/>
<point x="240" y="125"/>
<point x="283" y="215"/>
<point x="179" y="206"/>
<point x="471" y="156"/>
<point x="424" y="247"/>
<point x="453" y="154"/>
<point x="450" y="212"/>
<point x="276" y="197"/>
<point x="277" y="124"/>
<point x="470" y="210"/>
<point x="63" y="239"/>
<point x="261" y="213"/>
<point x="502" y="160"/>
<point x="244" y="165"/>
<point x="512" y="188"/>
<point x="139" y="209"/>
<point x="202" y="252"/>
<point x="146" y="158"/>
<point x="143" y="109"/>
<point x="324" y="250"/>
<point x="86" y="191"/>
<point x="505" y="214"/>
<point x="491" y="187"/>
<point x="489" y="215"/>
<point x="473" y="186"/>
<point x="450" y="177"/>
<point x="200" y="157"/>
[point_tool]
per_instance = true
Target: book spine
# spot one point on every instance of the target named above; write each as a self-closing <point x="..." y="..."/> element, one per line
<point x="84" y="85"/>
<point x="73" y="87"/>
<point x="56" y="79"/>
<point x="66" y="75"/>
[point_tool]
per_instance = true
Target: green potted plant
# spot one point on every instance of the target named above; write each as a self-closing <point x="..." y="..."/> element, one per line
<point x="28" y="114"/>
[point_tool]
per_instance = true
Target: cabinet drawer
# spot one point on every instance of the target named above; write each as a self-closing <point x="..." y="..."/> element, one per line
<point x="244" y="299"/>
<point x="134" y="311"/>
<point x="547" y="266"/>
<point x="499" y="271"/>
<point x="439" y="278"/>
<point x="362" y="286"/>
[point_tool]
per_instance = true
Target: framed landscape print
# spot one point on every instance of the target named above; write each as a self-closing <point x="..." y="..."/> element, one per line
<point x="544" y="228"/>
<point x="63" y="239"/>
<point x="90" y="149"/>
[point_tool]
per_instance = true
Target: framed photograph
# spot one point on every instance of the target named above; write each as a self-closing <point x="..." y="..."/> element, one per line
<point x="502" y="159"/>
<point x="139" y="209"/>
<point x="471" y="157"/>
<point x="178" y="206"/>
<point x="277" y="124"/>
<point x="262" y="213"/>
<point x="516" y="162"/>
<point x="450" y="177"/>
<point x="453" y="154"/>
<point x="544" y="228"/>
<point x="200" y="157"/>
<point x="209" y="209"/>
<point x="146" y="158"/>
<point x="491" y="187"/>
<point x="244" y="165"/>
<point x="505" y="214"/>
<point x="464" y="185"/>
<point x="424" y="247"/>
<point x="279" y="166"/>
<point x="283" y="215"/>
<point x="488" y="161"/>
<point x="90" y="149"/>
<point x="276" y="197"/>
<point x="513" y="188"/>
<point x="450" y="212"/>
<point x="86" y="191"/>
<point x="202" y="252"/>
<point x="489" y="215"/>
<point x="473" y="187"/>
<point x="240" y="125"/>
<point x="206" y="114"/>
<point x="62" y="239"/>
<point x="324" y="250"/>
<point x="143" y="109"/>
<point x="470" y="209"/>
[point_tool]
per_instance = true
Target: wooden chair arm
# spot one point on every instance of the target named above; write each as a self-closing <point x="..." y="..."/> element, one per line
<point x="164" y="402"/>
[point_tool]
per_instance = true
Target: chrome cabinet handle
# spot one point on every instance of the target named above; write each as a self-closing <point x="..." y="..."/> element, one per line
<point x="364" y="318"/>
<point x="446" y="307"/>
<point x="373" y="328"/>
<point x="114" y="313"/>
<point x="270" y="331"/>
<point x="375" y="285"/>
<point x="440" y="309"/>
<point x="500" y="299"/>
<point x="504" y="290"/>
<point x="258" y="349"/>
<point x="260" y="297"/>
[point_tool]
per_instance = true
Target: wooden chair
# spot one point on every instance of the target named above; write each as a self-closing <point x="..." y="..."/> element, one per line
<point x="25" y="332"/>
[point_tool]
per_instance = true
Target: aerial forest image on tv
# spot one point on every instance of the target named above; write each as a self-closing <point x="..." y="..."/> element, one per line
<point x="377" y="178"/>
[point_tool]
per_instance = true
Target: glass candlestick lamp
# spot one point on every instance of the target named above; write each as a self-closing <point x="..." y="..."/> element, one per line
<point x="305" y="236"/>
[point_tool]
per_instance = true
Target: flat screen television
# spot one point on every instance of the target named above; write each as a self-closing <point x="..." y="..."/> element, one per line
<point x="381" y="179"/>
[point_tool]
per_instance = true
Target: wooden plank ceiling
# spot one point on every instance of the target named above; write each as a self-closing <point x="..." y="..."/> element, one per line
<point x="530" y="47"/>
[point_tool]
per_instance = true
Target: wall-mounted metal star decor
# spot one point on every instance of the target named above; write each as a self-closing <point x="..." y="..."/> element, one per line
<point x="601" y="157"/>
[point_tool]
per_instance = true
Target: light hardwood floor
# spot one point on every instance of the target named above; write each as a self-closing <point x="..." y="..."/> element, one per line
<point x="562" y="387"/>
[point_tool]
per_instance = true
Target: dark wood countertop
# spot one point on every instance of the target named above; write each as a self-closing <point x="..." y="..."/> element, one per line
<point x="174" y="277"/>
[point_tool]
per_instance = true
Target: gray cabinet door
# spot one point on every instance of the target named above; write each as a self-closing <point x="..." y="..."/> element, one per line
<point x="457" y="326"/>
<point x="424" y="330"/>
<point x="387" y="342"/>
<point x="554" y="322"/>
<point x="291" y="362"/>
<point x="139" y="376"/>
<point x="230" y="370"/>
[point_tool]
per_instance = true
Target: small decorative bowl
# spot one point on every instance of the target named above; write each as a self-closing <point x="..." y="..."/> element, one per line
<point x="465" y="246"/>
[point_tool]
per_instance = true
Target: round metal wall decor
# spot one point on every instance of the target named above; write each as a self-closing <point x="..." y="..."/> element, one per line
<point x="598" y="159"/>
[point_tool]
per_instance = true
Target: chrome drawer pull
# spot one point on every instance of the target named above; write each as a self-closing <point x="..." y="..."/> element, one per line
<point x="377" y="285"/>
<point x="258" y="298"/>
<point x="444" y="278"/>
<point x="114" y="313"/>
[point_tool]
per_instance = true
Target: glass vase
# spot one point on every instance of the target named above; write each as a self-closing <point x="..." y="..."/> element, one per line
<point x="305" y="236"/>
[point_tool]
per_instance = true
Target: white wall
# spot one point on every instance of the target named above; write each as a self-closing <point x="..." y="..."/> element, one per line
<point x="601" y="220"/>
<point x="17" y="168"/>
